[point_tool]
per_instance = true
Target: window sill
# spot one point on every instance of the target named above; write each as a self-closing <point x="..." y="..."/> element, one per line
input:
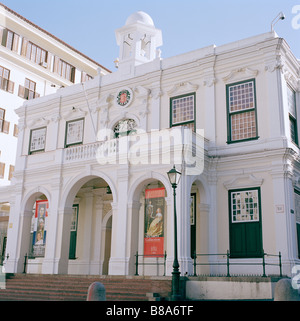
<point x="242" y="140"/>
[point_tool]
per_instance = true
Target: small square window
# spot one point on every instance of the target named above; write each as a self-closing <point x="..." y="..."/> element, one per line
<point x="183" y="111"/>
<point x="37" y="140"/>
<point x="74" y="132"/>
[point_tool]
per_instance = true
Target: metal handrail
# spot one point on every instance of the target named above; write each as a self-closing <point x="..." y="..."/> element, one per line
<point x="137" y="263"/>
<point x="228" y="263"/>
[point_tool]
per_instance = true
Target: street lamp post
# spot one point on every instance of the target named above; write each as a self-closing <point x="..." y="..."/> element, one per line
<point x="174" y="177"/>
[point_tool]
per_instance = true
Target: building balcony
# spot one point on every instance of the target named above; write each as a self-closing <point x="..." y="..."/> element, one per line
<point x="176" y="145"/>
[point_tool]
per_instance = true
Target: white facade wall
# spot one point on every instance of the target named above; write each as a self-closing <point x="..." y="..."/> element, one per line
<point x="66" y="175"/>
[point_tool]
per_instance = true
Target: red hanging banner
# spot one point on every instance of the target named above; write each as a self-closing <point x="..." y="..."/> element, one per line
<point x="154" y="222"/>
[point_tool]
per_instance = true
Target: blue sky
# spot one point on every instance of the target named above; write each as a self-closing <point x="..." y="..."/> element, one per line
<point x="186" y="25"/>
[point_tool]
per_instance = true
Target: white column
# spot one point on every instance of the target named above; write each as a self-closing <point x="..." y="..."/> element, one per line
<point x="284" y="220"/>
<point x="169" y="234"/>
<point x="63" y="240"/>
<point x="88" y="217"/>
<point x="155" y="108"/>
<point x="96" y="264"/>
<point x="49" y="261"/>
<point x="18" y="239"/>
<point x="212" y="212"/>
<point x="133" y="234"/>
<point x="118" y="264"/>
<point x="210" y="106"/>
<point x="183" y="225"/>
<point x="275" y="99"/>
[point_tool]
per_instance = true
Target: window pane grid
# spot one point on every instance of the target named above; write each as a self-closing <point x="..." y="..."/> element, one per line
<point x="242" y="111"/>
<point x="74" y="132"/>
<point x="293" y="129"/>
<point x="35" y="53"/>
<point x="183" y="109"/>
<point x="241" y="97"/>
<point x="244" y="206"/>
<point x="37" y="141"/>
<point x="291" y="101"/>
<point x="243" y="125"/>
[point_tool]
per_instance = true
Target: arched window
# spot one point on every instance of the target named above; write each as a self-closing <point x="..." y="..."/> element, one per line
<point x="125" y="127"/>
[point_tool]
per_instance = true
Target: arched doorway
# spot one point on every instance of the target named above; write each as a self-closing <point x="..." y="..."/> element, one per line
<point x="199" y="225"/>
<point x="90" y="198"/>
<point x="34" y="231"/>
<point x="4" y="218"/>
<point x="149" y="224"/>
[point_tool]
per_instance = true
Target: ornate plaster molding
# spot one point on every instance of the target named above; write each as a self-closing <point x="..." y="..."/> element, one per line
<point x="241" y="73"/>
<point x="183" y="87"/>
<point x="75" y="112"/>
<point x="243" y="181"/>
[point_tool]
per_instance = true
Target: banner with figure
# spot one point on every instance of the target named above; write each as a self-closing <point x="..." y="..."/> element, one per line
<point x="39" y="228"/>
<point x="154" y="222"/>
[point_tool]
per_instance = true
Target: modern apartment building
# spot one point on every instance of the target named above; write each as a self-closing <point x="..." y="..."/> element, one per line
<point x="33" y="63"/>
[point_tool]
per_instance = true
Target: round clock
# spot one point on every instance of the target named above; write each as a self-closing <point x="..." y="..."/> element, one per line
<point x="124" y="97"/>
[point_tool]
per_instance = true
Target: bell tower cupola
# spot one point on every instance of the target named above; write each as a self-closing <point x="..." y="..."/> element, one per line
<point x="138" y="41"/>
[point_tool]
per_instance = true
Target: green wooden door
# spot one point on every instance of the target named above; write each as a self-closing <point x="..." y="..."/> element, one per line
<point x="193" y="224"/>
<point x="73" y="233"/>
<point x="245" y="223"/>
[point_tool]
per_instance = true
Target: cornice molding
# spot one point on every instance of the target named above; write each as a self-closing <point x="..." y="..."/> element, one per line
<point x="183" y="87"/>
<point x="243" y="181"/>
<point x="239" y="73"/>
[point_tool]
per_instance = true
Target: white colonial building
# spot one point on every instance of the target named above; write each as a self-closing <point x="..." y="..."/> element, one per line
<point x="90" y="188"/>
<point x="33" y="63"/>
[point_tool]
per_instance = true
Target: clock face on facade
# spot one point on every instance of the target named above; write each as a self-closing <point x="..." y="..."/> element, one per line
<point x="124" y="97"/>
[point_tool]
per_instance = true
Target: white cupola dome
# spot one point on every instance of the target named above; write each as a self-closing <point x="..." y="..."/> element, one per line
<point x="139" y="17"/>
<point x="139" y="41"/>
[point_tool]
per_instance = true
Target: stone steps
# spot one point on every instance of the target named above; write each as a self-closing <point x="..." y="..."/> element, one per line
<point x="24" y="287"/>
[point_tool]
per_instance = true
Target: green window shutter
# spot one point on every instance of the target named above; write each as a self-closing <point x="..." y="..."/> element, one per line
<point x="73" y="233"/>
<point x="245" y="228"/>
<point x="4" y="38"/>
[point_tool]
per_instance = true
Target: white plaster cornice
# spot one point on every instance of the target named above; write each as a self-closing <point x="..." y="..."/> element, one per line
<point x="276" y="64"/>
<point x="142" y="92"/>
<point x="243" y="181"/>
<point x="73" y="113"/>
<point x="291" y="79"/>
<point x="210" y="81"/>
<point x="241" y="73"/>
<point x="183" y="87"/>
<point x="38" y="122"/>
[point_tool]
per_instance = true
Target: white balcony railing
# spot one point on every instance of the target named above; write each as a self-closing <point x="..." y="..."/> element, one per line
<point x="177" y="145"/>
<point x="86" y="152"/>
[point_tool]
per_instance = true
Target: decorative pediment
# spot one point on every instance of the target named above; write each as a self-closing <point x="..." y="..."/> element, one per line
<point x="292" y="80"/>
<point x="38" y="122"/>
<point x="240" y="73"/>
<point x="141" y="91"/>
<point x="296" y="182"/>
<point x="156" y="93"/>
<point x="104" y="101"/>
<point x="243" y="181"/>
<point x="73" y="113"/>
<point x="183" y="87"/>
<point x="278" y="63"/>
<point x="209" y="81"/>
